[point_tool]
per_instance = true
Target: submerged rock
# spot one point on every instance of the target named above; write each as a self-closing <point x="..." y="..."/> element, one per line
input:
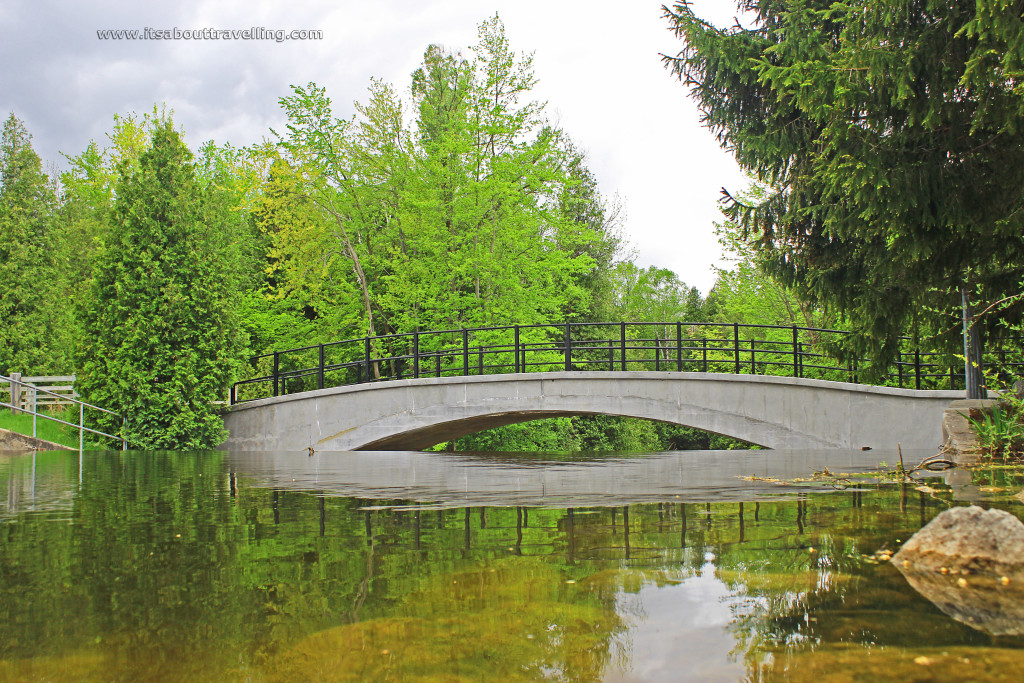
<point x="982" y="602"/>
<point x="969" y="562"/>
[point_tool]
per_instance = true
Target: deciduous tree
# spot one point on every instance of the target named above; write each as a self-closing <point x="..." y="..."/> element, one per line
<point x="464" y="216"/>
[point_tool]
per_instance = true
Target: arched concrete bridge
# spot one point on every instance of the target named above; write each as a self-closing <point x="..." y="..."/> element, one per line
<point x="412" y="414"/>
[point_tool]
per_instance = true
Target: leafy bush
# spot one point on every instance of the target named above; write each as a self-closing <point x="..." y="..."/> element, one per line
<point x="1001" y="428"/>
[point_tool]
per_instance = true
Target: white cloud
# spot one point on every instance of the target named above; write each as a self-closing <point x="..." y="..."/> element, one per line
<point x="598" y="65"/>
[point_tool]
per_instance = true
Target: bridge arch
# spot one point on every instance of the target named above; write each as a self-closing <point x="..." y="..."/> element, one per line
<point x="776" y="412"/>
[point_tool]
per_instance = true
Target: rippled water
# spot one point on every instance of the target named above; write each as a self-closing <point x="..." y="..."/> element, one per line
<point x="437" y="567"/>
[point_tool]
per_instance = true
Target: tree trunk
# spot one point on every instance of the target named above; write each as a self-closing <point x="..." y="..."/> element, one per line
<point x="974" y="376"/>
<point x="357" y="265"/>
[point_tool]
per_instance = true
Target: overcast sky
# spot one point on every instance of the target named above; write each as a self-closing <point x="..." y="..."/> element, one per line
<point x="598" y="65"/>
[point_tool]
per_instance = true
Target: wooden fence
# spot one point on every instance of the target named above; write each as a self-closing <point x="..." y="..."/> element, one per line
<point x="21" y="397"/>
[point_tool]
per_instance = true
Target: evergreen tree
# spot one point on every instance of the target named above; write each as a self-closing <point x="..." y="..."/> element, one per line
<point x="746" y="292"/>
<point x="86" y="206"/>
<point x="890" y="137"/>
<point x="161" y="338"/>
<point x="34" y="321"/>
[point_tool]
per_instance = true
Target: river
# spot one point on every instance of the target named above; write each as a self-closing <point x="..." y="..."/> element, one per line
<point x="702" y="566"/>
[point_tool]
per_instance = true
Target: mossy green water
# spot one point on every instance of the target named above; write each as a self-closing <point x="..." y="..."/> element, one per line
<point x="175" y="567"/>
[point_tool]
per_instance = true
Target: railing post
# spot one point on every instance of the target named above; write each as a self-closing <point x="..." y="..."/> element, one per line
<point x="416" y="354"/>
<point x="796" y="354"/>
<point x="917" y="368"/>
<point x="899" y="368"/>
<point x="277" y="367"/>
<point x="679" y="346"/>
<point x="704" y="354"/>
<point x="366" y="356"/>
<point x="800" y="359"/>
<point x="753" y="357"/>
<point x="465" y="352"/>
<point x="81" y="427"/>
<point x="611" y="356"/>
<point x="622" y="348"/>
<point x="480" y="360"/>
<point x="657" y="351"/>
<point x="516" y="366"/>
<point x="438" y="358"/>
<point x="233" y="395"/>
<point x="568" y="347"/>
<point x="15" y="393"/>
<point x="35" y="409"/>
<point x="320" y="378"/>
<point x="736" y="345"/>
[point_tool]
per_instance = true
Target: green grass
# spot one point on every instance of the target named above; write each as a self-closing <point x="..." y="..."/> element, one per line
<point x="48" y="430"/>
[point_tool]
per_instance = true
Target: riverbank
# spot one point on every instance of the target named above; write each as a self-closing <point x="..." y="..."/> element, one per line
<point x="962" y="442"/>
<point x="14" y="442"/>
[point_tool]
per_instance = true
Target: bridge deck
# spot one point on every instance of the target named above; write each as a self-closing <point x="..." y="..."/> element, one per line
<point x="776" y="412"/>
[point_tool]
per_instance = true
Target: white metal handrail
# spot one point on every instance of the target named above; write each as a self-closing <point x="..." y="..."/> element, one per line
<point x="82" y="405"/>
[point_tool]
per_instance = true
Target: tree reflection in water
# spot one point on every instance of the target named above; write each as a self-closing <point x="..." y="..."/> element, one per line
<point x="173" y="567"/>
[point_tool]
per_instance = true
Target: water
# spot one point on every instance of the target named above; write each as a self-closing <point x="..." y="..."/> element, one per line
<point x="434" y="567"/>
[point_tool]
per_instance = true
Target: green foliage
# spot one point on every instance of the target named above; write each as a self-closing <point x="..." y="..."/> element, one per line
<point x="476" y="213"/>
<point x="87" y="200"/>
<point x="84" y="214"/>
<point x="554" y="435"/>
<point x="653" y="294"/>
<point x="233" y="181"/>
<point x="611" y="433"/>
<point x="34" y="332"/>
<point x="303" y="295"/>
<point x="592" y="434"/>
<point x="1000" y="429"/>
<point x="49" y="430"/>
<point x="888" y="137"/>
<point x="747" y="292"/>
<point x="161" y="333"/>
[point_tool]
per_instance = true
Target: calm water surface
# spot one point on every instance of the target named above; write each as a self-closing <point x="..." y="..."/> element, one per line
<point x="434" y="567"/>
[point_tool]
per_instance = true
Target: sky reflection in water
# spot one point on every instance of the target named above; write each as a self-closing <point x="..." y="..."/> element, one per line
<point x="412" y="566"/>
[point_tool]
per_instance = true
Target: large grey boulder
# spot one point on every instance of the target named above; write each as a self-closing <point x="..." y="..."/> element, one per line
<point x="969" y="562"/>
<point x="966" y="539"/>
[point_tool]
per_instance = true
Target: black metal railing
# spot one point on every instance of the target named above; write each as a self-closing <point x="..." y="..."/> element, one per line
<point x="701" y="347"/>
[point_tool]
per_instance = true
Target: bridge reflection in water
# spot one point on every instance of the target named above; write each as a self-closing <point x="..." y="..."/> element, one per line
<point x="449" y="480"/>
